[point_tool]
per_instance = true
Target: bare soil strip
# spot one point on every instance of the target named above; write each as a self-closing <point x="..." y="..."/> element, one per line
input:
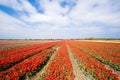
<point x="76" y="70"/>
<point x="37" y="75"/>
<point x="106" y="65"/>
<point x="114" y="71"/>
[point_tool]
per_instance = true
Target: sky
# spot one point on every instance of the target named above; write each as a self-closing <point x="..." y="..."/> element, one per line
<point x="59" y="19"/>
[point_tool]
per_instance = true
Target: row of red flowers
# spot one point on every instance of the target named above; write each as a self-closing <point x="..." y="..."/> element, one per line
<point x="93" y="67"/>
<point x="60" y="67"/>
<point x="6" y="53"/>
<point x="6" y="45"/>
<point x="9" y="61"/>
<point x="111" y="49"/>
<point x="108" y="53"/>
<point x="27" y="66"/>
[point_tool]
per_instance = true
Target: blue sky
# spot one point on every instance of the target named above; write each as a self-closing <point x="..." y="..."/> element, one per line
<point x="44" y="19"/>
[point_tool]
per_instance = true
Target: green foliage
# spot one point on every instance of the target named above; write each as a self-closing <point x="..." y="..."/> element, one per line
<point x="68" y="76"/>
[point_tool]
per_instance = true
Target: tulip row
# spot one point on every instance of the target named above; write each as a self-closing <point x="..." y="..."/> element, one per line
<point x="6" y="45"/>
<point x="102" y="52"/>
<point x="6" y="53"/>
<point x="8" y="62"/>
<point x="60" y="67"/>
<point x="26" y="67"/>
<point x="111" y="49"/>
<point x="92" y="67"/>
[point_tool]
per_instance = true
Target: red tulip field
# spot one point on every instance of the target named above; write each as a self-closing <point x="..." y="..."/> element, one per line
<point x="61" y="60"/>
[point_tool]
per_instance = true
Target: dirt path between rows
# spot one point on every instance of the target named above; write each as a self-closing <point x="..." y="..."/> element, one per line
<point x="76" y="70"/>
<point x="37" y="75"/>
<point x="114" y="71"/>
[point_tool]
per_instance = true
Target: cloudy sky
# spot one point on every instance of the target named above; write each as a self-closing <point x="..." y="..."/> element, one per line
<point x="22" y="19"/>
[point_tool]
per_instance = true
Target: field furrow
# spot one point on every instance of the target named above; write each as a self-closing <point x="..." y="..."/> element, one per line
<point x="28" y="66"/>
<point x="60" y="67"/>
<point x="106" y="53"/>
<point x="62" y="60"/>
<point x="93" y="67"/>
<point x="10" y="61"/>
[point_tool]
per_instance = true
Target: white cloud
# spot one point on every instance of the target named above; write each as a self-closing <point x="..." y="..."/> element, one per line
<point x="56" y="22"/>
<point x="36" y="18"/>
<point x="85" y="11"/>
<point x="11" y="3"/>
<point x="9" y="24"/>
<point x="52" y="7"/>
<point x="22" y="5"/>
<point x="28" y="7"/>
<point x="14" y="28"/>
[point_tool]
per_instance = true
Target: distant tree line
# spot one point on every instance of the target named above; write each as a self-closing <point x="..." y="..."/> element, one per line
<point x="92" y="38"/>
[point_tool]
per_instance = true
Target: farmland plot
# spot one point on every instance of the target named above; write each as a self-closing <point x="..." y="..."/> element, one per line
<point x="62" y="60"/>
